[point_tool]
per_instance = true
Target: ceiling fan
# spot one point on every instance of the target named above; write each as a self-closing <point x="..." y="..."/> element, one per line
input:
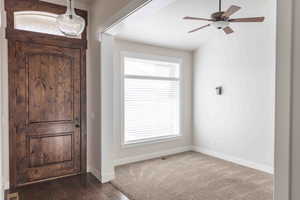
<point x="222" y="20"/>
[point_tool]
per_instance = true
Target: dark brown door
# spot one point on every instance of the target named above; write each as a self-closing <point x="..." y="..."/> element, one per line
<point x="47" y="99"/>
<point x="47" y="112"/>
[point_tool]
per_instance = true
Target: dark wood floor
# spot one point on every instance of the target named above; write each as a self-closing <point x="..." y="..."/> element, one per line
<point x="81" y="187"/>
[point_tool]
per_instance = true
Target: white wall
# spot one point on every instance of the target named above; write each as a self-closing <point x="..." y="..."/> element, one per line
<point x="107" y="106"/>
<point x="295" y="123"/>
<point x="239" y="125"/>
<point x="4" y="102"/>
<point x="126" y="154"/>
<point x="100" y="12"/>
<point x="284" y="41"/>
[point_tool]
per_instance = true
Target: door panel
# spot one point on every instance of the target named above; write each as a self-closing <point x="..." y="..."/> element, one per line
<point x="50" y="88"/>
<point x="50" y="150"/>
<point x="47" y="112"/>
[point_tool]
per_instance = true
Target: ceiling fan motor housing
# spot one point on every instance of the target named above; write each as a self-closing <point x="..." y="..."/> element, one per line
<point x="218" y="16"/>
<point x="220" y="21"/>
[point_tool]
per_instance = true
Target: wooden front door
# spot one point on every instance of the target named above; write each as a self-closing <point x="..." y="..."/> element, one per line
<point x="47" y="99"/>
<point x="47" y="112"/>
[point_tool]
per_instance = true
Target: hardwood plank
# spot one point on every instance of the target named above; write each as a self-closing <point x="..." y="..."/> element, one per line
<point x="80" y="187"/>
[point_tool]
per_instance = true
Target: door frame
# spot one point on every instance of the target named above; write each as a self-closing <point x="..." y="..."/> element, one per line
<point x="13" y="35"/>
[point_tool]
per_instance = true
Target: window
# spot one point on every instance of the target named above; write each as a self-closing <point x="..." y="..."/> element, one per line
<point x="34" y="21"/>
<point x="151" y="98"/>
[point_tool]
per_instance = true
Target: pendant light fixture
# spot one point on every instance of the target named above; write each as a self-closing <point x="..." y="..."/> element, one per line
<point x="70" y="24"/>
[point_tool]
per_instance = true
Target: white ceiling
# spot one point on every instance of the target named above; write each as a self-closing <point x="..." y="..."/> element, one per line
<point x="86" y="1"/>
<point x="165" y="27"/>
<point x="78" y="3"/>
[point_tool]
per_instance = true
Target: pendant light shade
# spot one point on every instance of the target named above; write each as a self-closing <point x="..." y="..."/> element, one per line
<point x="70" y="23"/>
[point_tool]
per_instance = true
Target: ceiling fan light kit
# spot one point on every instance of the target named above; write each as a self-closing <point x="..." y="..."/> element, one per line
<point x="220" y="24"/>
<point x="222" y="20"/>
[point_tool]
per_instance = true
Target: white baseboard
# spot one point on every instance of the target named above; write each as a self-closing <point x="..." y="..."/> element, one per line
<point x="95" y="172"/>
<point x="149" y="156"/>
<point x="105" y="178"/>
<point x="2" y="193"/>
<point x="246" y="163"/>
<point x="6" y="185"/>
<point x="3" y="186"/>
<point x="1" y="190"/>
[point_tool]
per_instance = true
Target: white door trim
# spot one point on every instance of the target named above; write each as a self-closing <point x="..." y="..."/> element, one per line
<point x="283" y="100"/>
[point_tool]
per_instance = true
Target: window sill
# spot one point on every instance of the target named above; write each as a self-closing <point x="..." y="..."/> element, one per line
<point x="138" y="143"/>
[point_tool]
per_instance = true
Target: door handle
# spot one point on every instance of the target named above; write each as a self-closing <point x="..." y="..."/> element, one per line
<point x="77" y="123"/>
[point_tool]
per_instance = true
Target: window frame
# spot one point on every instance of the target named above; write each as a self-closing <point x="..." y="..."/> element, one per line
<point x="180" y="79"/>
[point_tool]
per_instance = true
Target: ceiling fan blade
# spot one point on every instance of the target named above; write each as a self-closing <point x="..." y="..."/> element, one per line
<point x="197" y="29"/>
<point x="251" y="19"/>
<point x="197" y="18"/>
<point x="228" y="30"/>
<point x="233" y="9"/>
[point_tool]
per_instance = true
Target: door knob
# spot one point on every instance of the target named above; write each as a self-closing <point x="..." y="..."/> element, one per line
<point x="77" y="123"/>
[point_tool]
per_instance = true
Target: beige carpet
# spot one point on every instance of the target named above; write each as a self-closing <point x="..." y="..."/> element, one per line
<point x="192" y="176"/>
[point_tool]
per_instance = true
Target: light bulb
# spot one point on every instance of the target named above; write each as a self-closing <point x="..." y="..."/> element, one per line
<point x="220" y="24"/>
<point x="70" y="23"/>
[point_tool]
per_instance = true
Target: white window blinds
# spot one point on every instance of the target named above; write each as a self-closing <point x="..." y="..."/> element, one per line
<point x="151" y="99"/>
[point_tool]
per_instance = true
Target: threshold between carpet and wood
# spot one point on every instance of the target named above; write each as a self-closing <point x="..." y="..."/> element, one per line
<point x="192" y="176"/>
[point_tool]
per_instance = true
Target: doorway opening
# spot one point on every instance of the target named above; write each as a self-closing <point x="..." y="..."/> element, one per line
<point x="236" y="125"/>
